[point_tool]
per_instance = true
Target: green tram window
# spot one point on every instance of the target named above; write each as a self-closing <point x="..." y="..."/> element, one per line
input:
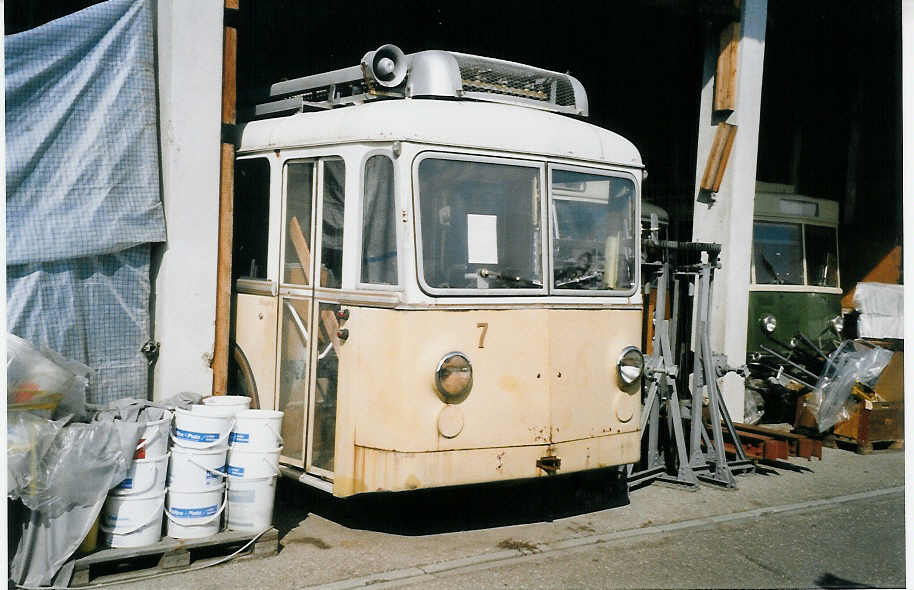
<point x="821" y="256"/>
<point x="777" y="253"/>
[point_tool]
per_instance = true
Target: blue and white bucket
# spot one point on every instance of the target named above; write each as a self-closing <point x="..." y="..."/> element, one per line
<point x="196" y="470"/>
<point x="146" y="477"/>
<point x="249" y="504"/>
<point x="202" y="428"/>
<point x="252" y="463"/>
<point x="257" y="429"/>
<point x="132" y="521"/>
<point x="192" y="515"/>
<point x="228" y="405"/>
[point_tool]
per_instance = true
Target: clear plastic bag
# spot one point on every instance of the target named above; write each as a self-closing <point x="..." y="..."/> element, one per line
<point x="44" y="382"/>
<point x="850" y="363"/>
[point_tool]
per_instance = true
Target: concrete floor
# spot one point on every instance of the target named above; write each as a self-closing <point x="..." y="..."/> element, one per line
<point x="578" y="532"/>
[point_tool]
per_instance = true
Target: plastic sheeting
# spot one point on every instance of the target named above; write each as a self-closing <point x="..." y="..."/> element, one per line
<point x="65" y="489"/>
<point x="83" y="196"/>
<point x="93" y="310"/>
<point x="850" y="363"/>
<point x="81" y="135"/>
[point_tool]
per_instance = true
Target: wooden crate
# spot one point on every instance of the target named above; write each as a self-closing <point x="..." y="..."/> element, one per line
<point x="873" y="422"/>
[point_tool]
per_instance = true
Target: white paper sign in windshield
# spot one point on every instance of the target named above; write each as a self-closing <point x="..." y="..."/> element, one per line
<point x="482" y="239"/>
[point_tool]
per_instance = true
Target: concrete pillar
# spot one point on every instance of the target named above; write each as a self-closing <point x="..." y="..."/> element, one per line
<point x="727" y="219"/>
<point x="189" y="45"/>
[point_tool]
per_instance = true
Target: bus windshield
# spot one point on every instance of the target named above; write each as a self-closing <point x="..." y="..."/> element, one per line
<point x="481" y="228"/>
<point x="593" y="241"/>
<point x="480" y="225"/>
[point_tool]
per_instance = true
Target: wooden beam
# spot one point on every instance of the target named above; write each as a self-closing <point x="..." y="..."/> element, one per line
<point x="226" y="211"/>
<point x="718" y="157"/>
<point x="727" y="64"/>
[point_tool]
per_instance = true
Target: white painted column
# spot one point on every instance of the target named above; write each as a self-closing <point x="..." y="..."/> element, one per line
<point x="727" y="220"/>
<point x="189" y="39"/>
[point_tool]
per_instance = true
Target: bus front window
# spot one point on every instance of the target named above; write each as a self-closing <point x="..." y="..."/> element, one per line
<point x="480" y="225"/>
<point x="593" y="231"/>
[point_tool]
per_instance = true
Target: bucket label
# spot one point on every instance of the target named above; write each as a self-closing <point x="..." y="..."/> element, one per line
<point x="241" y="496"/>
<point x="188" y="435"/>
<point x="127" y="484"/>
<point x="212" y="476"/>
<point x="239" y="437"/>
<point x="141" y="454"/>
<point x="236" y="471"/>
<point x="193" y="512"/>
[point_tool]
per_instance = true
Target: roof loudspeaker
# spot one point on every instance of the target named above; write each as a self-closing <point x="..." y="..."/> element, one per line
<point x="386" y="65"/>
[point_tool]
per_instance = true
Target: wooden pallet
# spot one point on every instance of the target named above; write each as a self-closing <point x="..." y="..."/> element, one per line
<point x="168" y="555"/>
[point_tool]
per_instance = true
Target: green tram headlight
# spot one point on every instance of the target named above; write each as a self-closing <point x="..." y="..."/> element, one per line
<point x="837" y="324"/>
<point x="454" y="377"/>
<point x="631" y="365"/>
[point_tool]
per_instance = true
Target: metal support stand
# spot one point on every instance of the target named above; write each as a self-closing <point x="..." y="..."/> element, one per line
<point x="705" y="457"/>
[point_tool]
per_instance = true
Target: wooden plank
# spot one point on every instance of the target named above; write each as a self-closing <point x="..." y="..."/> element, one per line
<point x="226" y="213"/>
<point x="224" y="271"/>
<point x="718" y="157"/>
<point x="229" y="73"/>
<point x="727" y="68"/>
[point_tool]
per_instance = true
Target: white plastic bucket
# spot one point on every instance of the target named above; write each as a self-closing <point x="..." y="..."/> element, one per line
<point x="132" y="521"/>
<point x="257" y="429"/>
<point x="192" y="515"/>
<point x="249" y="504"/>
<point x="201" y="429"/>
<point x="146" y="477"/>
<point x="244" y="463"/>
<point x="196" y="470"/>
<point x="154" y="440"/>
<point x="227" y="404"/>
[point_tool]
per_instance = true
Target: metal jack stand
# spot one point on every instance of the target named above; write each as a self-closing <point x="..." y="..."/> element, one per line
<point x="661" y="372"/>
<point x="708" y="367"/>
<point x="705" y="460"/>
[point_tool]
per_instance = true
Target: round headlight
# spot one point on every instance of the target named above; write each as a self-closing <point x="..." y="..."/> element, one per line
<point x="837" y="324"/>
<point x="768" y="323"/>
<point x="454" y="377"/>
<point x="631" y="364"/>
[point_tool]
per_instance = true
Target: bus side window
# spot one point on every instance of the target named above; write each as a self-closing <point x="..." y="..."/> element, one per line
<point x="332" y="227"/>
<point x="251" y="218"/>
<point x="379" y="223"/>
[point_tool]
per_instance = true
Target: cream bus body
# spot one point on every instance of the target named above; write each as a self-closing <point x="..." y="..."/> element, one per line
<point x="352" y="361"/>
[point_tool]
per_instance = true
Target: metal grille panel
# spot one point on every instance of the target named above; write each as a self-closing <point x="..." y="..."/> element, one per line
<point x="496" y="77"/>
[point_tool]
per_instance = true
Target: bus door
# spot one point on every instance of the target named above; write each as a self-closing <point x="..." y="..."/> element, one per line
<point x="309" y="345"/>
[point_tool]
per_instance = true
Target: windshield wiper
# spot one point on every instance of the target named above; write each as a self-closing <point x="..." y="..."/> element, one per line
<point x="580" y="279"/>
<point x="490" y="274"/>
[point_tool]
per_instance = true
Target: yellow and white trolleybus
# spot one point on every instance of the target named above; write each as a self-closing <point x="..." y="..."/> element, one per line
<point x="437" y="274"/>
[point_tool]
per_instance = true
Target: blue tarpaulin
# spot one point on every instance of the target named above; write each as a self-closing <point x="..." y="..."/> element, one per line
<point x="83" y="199"/>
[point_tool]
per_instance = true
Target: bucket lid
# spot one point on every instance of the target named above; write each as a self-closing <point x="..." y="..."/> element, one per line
<point x="227" y="400"/>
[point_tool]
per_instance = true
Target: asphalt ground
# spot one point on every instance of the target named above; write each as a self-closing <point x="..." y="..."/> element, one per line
<point x="805" y="523"/>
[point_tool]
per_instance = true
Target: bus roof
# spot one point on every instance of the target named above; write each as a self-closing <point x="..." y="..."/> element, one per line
<point x="464" y="124"/>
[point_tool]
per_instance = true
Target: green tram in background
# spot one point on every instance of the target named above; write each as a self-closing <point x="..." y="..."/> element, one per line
<point x="795" y="283"/>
